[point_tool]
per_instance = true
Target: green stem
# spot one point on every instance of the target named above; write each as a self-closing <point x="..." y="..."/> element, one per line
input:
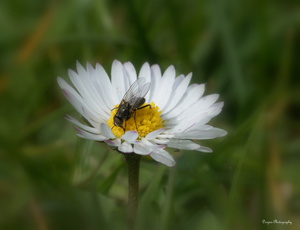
<point x="133" y="166"/>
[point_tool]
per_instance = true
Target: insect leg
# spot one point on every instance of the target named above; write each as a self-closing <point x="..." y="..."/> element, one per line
<point x="114" y="109"/>
<point x="137" y="129"/>
<point x="144" y="106"/>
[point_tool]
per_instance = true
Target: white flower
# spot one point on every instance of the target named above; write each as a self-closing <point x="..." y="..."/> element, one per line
<point x="177" y="115"/>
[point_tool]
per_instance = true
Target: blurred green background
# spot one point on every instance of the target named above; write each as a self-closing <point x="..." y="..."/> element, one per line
<point x="247" y="51"/>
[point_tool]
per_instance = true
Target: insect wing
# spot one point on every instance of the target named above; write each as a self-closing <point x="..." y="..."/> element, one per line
<point x="137" y="92"/>
<point x="134" y="89"/>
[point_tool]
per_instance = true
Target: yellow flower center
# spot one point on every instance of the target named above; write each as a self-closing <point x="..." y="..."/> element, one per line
<point x="146" y="121"/>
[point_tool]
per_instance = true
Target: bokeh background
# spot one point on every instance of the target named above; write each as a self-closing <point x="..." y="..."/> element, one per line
<point x="247" y="51"/>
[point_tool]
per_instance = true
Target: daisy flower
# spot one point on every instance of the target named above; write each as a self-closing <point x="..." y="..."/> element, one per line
<point x="178" y="112"/>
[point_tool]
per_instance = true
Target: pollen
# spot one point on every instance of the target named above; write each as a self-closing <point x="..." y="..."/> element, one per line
<point x="146" y="121"/>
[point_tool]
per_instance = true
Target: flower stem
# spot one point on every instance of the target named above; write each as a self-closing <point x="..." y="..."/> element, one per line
<point x="133" y="166"/>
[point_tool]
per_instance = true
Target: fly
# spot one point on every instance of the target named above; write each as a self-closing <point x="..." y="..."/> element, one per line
<point x="133" y="100"/>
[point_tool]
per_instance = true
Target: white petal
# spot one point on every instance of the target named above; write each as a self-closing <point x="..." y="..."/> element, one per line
<point x="187" y="123"/>
<point x="106" y="131"/>
<point x="83" y="84"/>
<point x="95" y="86"/>
<point x="142" y="149"/>
<point x="192" y="95"/>
<point x="126" y="80"/>
<point x="85" y="92"/>
<point x="165" y="87"/>
<point x="161" y="141"/>
<point x="154" y="134"/>
<point x="207" y="101"/>
<point x="92" y="137"/>
<point x="125" y="147"/>
<point x="82" y="126"/>
<point x="77" y="103"/>
<point x="182" y="144"/>
<point x="189" y="114"/>
<point x="117" y="78"/>
<point x="164" y="135"/>
<point x="114" y="143"/>
<point x="108" y="92"/>
<point x="204" y="149"/>
<point x="129" y="68"/>
<point x="163" y="157"/>
<point x="155" y="83"/>
<point x="218" y="105"/>
<point x="153" y="145"/>
<point x="214" y="113"/>
<point x="201" y="135"/>
<point x="192" y="114"/>
<point x="81" y="71"/>
<point x="130" y="136"/>
<point x="201" y="106"/>
<point x="199" y="126"/>
<point x="70" y="93"/>
<point x="178" y="80"/>
<point x="88" y="135"/>
<point x="145" y="73"/>
<point x="178" y="93"/>
<point x="93" y="117"/>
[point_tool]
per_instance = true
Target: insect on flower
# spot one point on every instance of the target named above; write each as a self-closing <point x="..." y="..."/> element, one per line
<point x="178" y="114"/>
<point x="133" y="100"/>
